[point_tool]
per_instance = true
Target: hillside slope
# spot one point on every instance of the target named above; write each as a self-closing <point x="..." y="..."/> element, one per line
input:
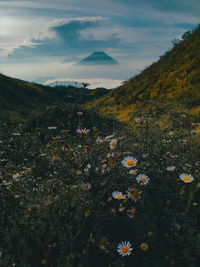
<point x="20" y="98"/>
<point x="15" y="93"/>
<point x="172" y="83"/>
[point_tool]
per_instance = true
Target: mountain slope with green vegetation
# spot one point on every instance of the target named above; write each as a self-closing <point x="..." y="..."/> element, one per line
<point x="19" y="98"/>
<point x="16" y="93"/>
<point x="172" y="84"/>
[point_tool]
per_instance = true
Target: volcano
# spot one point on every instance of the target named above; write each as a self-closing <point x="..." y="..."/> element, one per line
<point x="98" y="58"/>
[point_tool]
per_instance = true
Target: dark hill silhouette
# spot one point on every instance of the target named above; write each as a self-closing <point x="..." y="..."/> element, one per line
<point x="18" y="98"/>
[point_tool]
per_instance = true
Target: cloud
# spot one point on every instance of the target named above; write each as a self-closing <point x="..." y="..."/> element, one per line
<point x="21" y="31"/>
<point x="57" y="69"/>
<point x="71" y="39"/>
<point x="180" y="6"/>
<point x="135" y="32"/>
<point x="62" y="22"/>
<point x="69" y="30"/>
<point x="66" y="38"/>
<point x="100" y="34"/>
<point x="89" y="7"/>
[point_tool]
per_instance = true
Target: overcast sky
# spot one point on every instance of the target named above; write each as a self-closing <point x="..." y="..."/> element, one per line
<point x="47" y="37"/>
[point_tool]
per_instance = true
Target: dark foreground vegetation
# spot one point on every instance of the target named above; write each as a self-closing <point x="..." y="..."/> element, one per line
<point x="59" y="205"/>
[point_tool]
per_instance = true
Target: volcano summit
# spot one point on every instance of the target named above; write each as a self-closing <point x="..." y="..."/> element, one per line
<point x="98" y="58"/>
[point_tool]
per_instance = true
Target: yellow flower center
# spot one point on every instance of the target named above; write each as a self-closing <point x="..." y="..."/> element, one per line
<point x="186" y="178"/>
<point x="130" y="162"/>
<point x="84" y="132"/>
<point x="144" y="246"/>
<point x="119" y="196"/>
<point x="104" y="166"/>
<point x="143" y="180"/>
<point x="114" y="143"/>
<point x="125" y="249"/>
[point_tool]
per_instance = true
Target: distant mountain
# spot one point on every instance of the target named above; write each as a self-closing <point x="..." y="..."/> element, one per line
<point x="172" y="84"/>
<point x="98" y="58"/>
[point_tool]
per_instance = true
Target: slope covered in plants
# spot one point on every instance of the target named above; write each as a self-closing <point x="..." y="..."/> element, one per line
<point x="170" y="84"/>
<point x="19" y="99"/>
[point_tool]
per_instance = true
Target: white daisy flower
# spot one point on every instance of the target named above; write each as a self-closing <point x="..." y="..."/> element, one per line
<point x="186" y="178"/>
<point x="133" y="172"/>
<point x="99" y="140"/>
<point x="113" y="143"/>
<point x="124" y="248"/>
<point x="86" y="186"/>
<point x="83" y="131"/>
<point x="134" y="194"/>
<point x="89" y="166"/>
<point x="129" y="162"/>
<point x="118" y="195"/>
<point x="16" y="134"/>
<point x="142" y="179"/>
<point x="170" y="168"/>
<point x="17" y="175"/>
<point x="109" y="137"/>
<point x="139" y="120"/>
<point x="52" y="128"/>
